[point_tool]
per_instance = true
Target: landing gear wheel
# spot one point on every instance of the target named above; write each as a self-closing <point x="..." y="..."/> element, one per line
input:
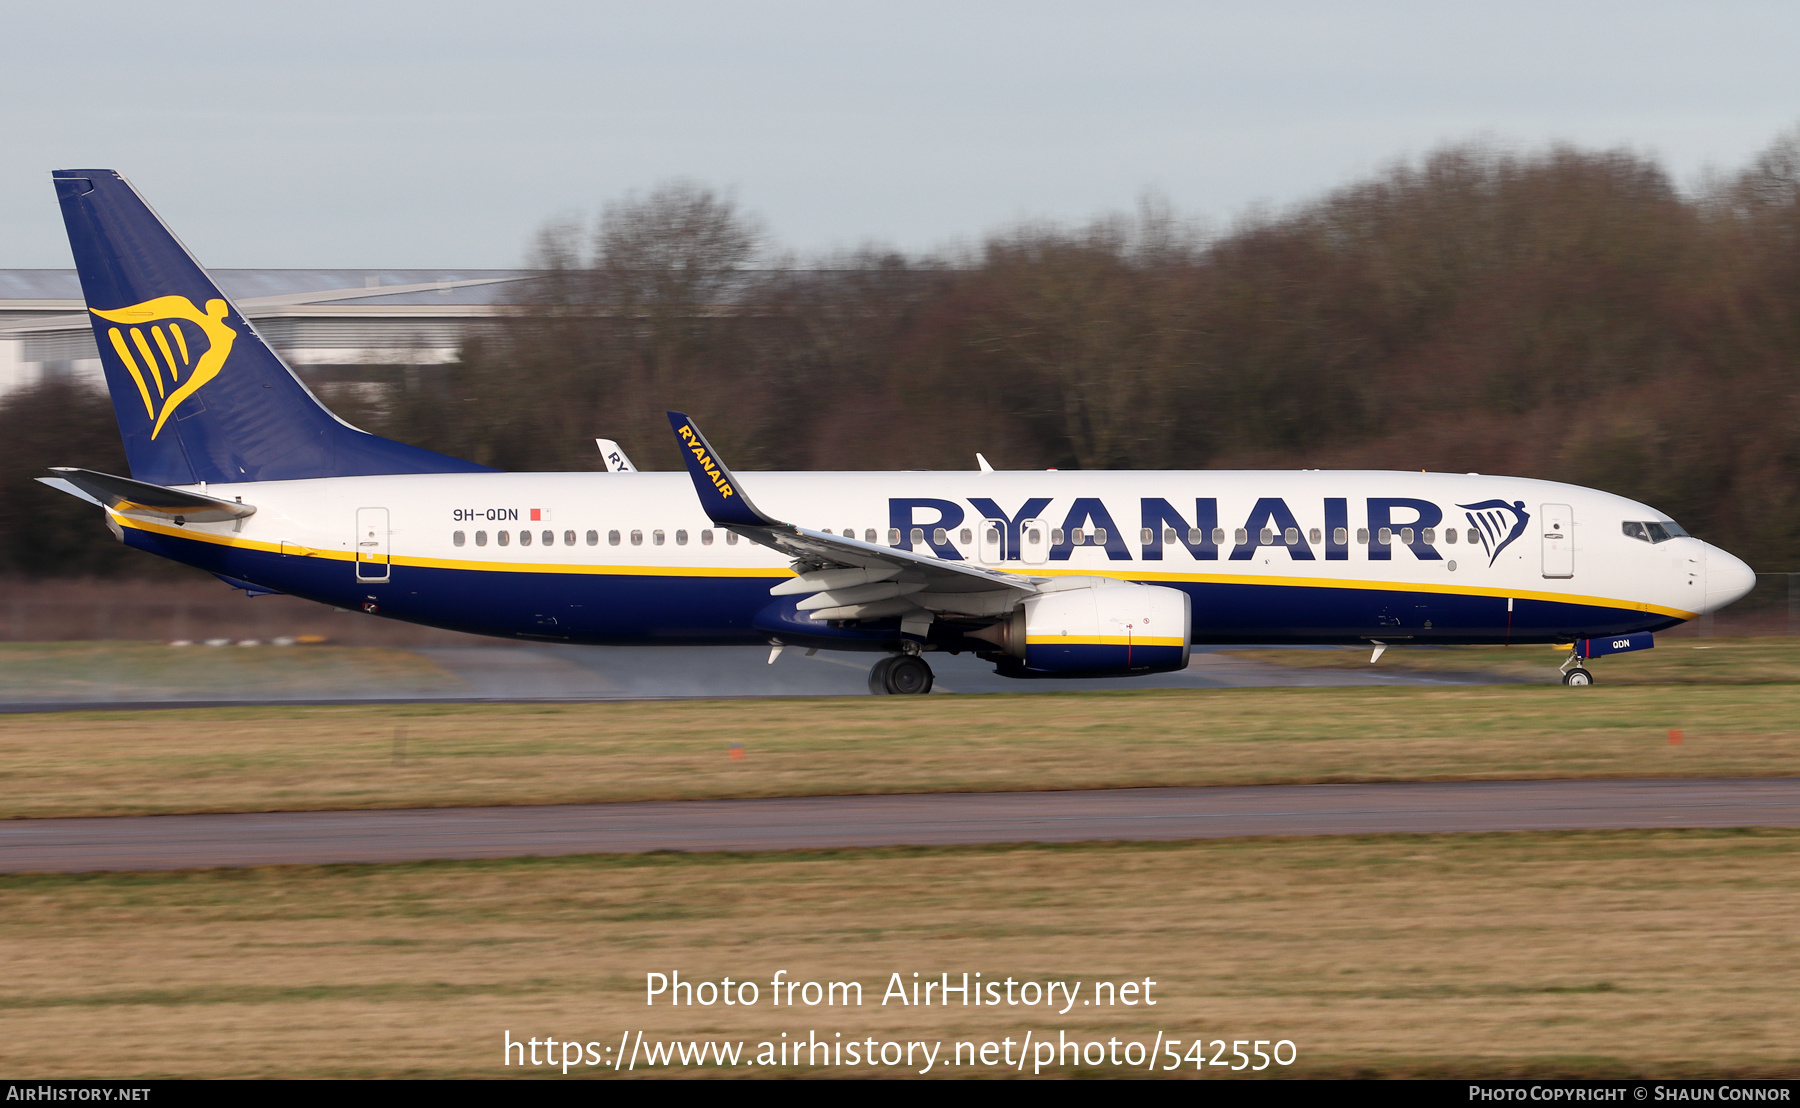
<point x="900" y="675"/>
<point x="1578" y="676"/>
<point x="909" y="676"/>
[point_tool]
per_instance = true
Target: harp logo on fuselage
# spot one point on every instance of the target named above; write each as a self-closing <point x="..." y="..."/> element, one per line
<point x="1498" y="523"/>
<point x="170" y="348"/>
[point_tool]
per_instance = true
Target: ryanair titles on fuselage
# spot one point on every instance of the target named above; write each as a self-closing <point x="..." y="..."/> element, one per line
<point x="1395" y="520"/>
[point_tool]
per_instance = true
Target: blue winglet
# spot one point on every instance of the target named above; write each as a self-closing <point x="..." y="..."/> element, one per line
<point x="720" y="494"/>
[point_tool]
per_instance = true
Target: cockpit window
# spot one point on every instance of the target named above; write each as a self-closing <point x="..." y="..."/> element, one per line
<point x="1653" y="531"/>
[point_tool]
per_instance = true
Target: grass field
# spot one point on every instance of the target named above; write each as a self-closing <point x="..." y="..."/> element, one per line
<point x="1653" y="953"/>
<point x="284" y="758"/>
<point x="1602" y="953"/>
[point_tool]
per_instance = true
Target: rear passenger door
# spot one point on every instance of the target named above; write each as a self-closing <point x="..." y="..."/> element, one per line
<point x="371" y="546"/>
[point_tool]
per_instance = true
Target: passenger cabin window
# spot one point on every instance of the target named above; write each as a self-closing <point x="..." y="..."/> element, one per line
<point x="1242" y="536"/>
<point x="549" y="538"/>
<point x="593" y="538"/>
<point x="1362" y="536"/>
<point x="939" y="537"/>
<point x="968" y="536"/>
<point x="1077" y="537"/>
<point x="504" y="538"/>
<point x="568" y="538"/>
<point x="869" y="535"/>
<point x="1291" y="535"/>
<point x="1406" y="535"/>
<point x="918" y="536"/>
<point x="706" y="538"/>
<point x="1450" y="535"/>
<point x="637" y="538"/>
<point x="1315" y="536"/>
<point x="524" y="538"/>
<point x="612" y="538"/>
<point x="731" y="538"/>
<point x="457" y="538"/>
<point x="1428" y="536"/>
<point x="1341" y="536"/>
<point x="893" y="536"/>
<point x="1099" y="536"/>
<point x="481" y="538"/>
<point x="1218" y="536"/>
<point x="657" y="537"/>
<point x="1266" y="537"/>
<point x="1196" y="536"/>
<point x="681" y="538"/>
<point x="1384" y="536"/>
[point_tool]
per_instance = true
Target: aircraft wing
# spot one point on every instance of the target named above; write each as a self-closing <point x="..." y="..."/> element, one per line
<point x="848" y="578"/>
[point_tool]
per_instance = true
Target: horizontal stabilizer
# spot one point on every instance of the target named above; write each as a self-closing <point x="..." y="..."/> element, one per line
<point x="122" y="494"/>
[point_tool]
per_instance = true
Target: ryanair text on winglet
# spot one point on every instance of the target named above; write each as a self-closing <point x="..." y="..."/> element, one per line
<point x="706" y="463"/>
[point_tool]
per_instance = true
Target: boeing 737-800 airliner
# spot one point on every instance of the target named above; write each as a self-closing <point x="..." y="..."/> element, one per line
<point x="236" y="468"/>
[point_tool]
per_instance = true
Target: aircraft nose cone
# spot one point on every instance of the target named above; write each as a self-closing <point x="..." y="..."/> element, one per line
<point x="1727" y="579"/>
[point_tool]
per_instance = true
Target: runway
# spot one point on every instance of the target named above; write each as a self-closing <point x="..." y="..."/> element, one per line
<point x="514" y="673"/>
<point x="940" y="819"/>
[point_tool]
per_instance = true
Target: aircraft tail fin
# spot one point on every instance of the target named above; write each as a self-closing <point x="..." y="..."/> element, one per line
<point x="198" y="394"/>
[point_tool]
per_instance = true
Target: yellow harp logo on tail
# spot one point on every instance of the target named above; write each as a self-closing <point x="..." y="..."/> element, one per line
<point x="169" y="347"/>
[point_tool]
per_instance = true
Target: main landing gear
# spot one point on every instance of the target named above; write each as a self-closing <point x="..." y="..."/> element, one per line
<point x="900" y="675"/>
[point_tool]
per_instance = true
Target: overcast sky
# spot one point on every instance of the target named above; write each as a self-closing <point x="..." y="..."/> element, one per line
<point x="443" y="134"/>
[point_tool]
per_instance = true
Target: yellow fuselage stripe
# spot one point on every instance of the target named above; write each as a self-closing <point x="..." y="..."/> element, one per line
<point x="1102" y="640"/>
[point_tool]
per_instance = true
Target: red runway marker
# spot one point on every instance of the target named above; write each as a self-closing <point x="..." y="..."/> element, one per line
<point x="1674" y="736"/>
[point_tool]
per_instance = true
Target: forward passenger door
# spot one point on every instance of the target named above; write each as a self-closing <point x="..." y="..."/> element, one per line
<point x="1558" y="524"/>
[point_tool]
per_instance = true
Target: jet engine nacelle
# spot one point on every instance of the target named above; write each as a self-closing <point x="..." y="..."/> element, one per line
<point x="1093" y="627"/>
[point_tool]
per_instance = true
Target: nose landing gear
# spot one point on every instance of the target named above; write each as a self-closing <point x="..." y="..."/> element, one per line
<point x="900" y="675"/>
<point x="1574" y="674"/>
